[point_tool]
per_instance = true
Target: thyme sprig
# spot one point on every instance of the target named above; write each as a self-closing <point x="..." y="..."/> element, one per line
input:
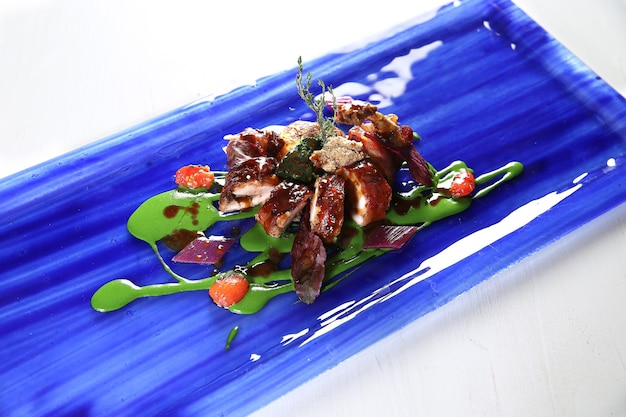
<point x="303" y="83"/>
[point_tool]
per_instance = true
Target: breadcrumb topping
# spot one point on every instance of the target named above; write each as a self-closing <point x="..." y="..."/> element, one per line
<point x="337" y="152"/>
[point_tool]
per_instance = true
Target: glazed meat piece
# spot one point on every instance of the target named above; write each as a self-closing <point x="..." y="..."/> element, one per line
<point x="383" y="131"/>
<point x="354" y="112"/>
<point x="284" y="204"/>
<point x="248" y="183"/>
<point x="252" y="143"/>
<point x="308" y="263"/>
<point x="385" y="126"/>
<point x="367" y="192"/>
<point x="327" y="207"/>
<point x="384" y="159"/>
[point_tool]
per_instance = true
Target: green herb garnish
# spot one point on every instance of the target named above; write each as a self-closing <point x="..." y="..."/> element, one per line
<point x="297" y="164"/>
<point x="327" y="124"/>
<point x="231" y="336"/>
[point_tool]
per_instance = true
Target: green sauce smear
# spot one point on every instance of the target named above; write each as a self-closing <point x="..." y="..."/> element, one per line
<point x="195" y="211"/>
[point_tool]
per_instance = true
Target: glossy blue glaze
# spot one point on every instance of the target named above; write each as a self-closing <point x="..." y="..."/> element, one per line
<point x="490" y="87"/>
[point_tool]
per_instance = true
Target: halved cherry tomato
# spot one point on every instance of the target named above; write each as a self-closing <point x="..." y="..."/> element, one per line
<point x="463" y="183"/>
<point x="195" y="176"/>
<point x="229" y="289"/>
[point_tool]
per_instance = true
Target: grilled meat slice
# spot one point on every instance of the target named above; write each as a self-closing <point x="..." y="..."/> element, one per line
<point x="327" y="207"/>
<point x="385" y="126"/>
<point x="354" y="112"/>
<point x="252" y="143"/>
<point x="284" y="204"/>
<point x="367" y="192"/>
<point x="402" y="150"/>
<point x="384" y="129"/>
<point x="385" y="160"/>
<point x="248" y="183"/>
<point x="308" y="263"/>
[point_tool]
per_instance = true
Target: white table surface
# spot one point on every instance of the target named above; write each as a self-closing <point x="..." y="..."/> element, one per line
<point x="547" y="337"/>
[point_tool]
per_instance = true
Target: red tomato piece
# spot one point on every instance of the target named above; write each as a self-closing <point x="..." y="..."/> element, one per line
<point x="463" y="183"/>
<point x="229" y="289"/>
<point x="195" y="176"/>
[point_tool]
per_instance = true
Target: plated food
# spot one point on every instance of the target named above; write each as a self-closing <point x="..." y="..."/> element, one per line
<point x="298" y="206"/>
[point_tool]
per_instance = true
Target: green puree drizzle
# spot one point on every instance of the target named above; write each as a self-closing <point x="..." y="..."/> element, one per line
<point x="165" y="213"/>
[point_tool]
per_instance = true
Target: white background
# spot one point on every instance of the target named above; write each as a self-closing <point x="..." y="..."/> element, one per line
<point x="547" y="337"/>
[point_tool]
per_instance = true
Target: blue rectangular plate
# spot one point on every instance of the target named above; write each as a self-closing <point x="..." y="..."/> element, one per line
<point x="480" y="82"/>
